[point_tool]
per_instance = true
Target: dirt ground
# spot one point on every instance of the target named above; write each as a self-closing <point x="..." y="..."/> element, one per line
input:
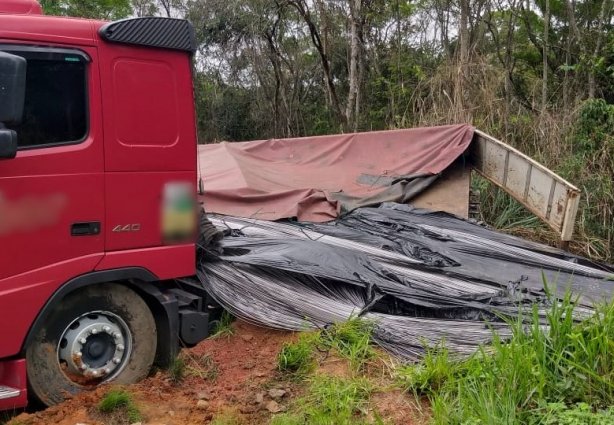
<point x="232" y="376"/>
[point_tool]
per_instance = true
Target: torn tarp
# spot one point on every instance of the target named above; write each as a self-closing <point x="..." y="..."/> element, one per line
<point x="317" y="178"/>
<point x="421" y="276"/>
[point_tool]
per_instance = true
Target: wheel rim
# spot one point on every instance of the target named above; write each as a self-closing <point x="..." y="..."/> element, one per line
<point x="95" y="346"/>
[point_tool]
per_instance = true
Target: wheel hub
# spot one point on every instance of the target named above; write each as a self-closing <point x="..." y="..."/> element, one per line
<point x="95" y="345"/>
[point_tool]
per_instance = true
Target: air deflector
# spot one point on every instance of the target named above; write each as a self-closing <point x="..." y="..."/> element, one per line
<point x="165" y="33"/>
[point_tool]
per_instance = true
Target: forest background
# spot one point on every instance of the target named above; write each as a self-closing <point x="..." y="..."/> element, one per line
<point x="538" y="74"/>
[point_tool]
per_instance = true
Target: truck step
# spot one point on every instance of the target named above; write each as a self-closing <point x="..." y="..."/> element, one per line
<point x="8" y="392"/>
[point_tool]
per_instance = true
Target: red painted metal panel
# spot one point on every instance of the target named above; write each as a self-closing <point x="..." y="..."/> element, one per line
<point x="13" y="374"/>
<point x="148" y="88"/>
<point x="43" y="191"/>
<point x="133" y="202"/>
<point x="166" y="262"/>
<point x="49" y="30"/>
<point x="23" y="296"/>
<point x="149" y="140"/>
<point x="148" y="109"/>
<point x="21" y="7"/>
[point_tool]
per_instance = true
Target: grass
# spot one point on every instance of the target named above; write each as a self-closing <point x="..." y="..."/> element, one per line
<point x="224" y="327"/>
<point x="431" y="374"/>
<point x="592" y="238"/>
<point x="337" y="401"/>
<point x="177" y="370"/>
<point x="542" y="375"/>
<point x="120" y="402"/>
<point x="330" y="400"/>
<point x="298" y="357"/>
<point x="204" y="367"/>
<point x="578" y="414"/>
<point x="187" y="364"/>
<point x="350" y="339"/>
<point x="499" y="209"/>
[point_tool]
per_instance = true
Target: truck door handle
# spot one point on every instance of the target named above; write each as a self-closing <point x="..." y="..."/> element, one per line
<point x="85" y="228"/>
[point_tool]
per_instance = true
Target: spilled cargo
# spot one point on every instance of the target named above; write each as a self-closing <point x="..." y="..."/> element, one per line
<point x="296" y="250"/>
<point x="421" y="277"/>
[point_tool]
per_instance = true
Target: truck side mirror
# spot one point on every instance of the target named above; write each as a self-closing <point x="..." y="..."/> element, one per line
<point x="12" y="95"/>
<point x="12" y="87"/>
<point x="8" y="143"/>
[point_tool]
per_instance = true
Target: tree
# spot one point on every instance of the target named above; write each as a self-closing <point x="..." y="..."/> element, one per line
<point x="95" y="9"/>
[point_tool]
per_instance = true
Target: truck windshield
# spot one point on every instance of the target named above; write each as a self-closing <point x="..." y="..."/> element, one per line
<point x="55" y="107"/>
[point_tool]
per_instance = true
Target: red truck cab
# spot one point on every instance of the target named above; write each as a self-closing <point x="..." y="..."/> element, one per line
<point x="97" y="176"/>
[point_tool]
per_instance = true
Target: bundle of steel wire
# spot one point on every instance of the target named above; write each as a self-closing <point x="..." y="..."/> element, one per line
<point x="421" y="277"/>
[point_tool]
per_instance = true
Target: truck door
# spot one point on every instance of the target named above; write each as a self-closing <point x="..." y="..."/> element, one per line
<point x="52" y="192"/>
<point x="150" y="141"/>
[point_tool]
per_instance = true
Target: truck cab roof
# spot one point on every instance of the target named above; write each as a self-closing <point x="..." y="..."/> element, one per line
<point x="51" y="29"/>
<point x="21" y="7"/>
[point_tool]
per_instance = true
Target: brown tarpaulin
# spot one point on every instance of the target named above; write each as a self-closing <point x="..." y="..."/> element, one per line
<point x="317" y="178"/>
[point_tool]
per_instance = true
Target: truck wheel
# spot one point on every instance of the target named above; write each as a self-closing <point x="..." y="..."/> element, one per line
<point x="99" y="334"/>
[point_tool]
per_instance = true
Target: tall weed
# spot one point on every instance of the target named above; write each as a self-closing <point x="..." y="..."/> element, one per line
<point x="516" y="381"/>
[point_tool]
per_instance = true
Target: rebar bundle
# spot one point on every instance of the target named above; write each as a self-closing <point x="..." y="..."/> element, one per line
<point x="421" y="277"/>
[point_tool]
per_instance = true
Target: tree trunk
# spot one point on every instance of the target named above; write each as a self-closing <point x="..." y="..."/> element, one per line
<point x="443" y="13"/>
<point x="463" y="59"/>
<point x="303" y="9"/>
<point x="355" y="50"/>
<point x="324" y="33"/>
<point x="571" y="17"/>
<point x="545" y="57"/>
<point x="592" y="85"/>
<point x="464" y="31"/>
<point x="566" y="81"/>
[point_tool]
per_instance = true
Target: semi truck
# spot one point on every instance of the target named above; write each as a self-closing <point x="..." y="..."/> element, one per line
<point x="98" y="209"/>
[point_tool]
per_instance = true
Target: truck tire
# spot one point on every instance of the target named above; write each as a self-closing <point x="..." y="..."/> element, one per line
<point x="99" y="334"/>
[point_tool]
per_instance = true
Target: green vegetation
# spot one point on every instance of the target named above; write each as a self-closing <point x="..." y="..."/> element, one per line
<point x="331" y="400"/>
<point x="536" y="74"/>
<point x="585" y="157"/>
<point x="299" y="357"/>
<point x="432" y="373"/>
<point x="501" y="210"/>
<point x="554" y="375"/>
<point x="578" y="414"/>
<point x="120" y="402"/>
<point x="224" y="326"/>
<point x="336" y="401"/>
<point x="101" y="9"/>
<point x="177" y="370"/>
<point x="351" y="340"/>
<point x="591" y="165"/>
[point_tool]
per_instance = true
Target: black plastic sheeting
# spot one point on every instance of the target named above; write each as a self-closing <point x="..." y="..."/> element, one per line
<point x="422" y="277"/>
